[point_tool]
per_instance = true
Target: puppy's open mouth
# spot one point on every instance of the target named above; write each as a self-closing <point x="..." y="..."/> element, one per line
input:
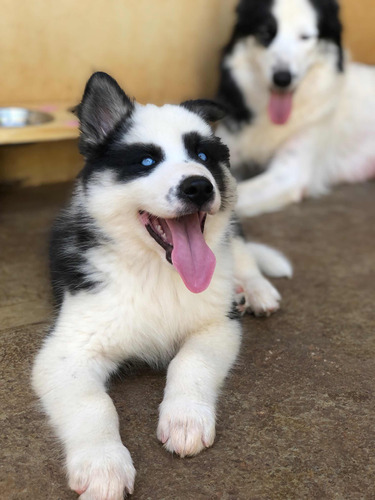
<point x="185" y="247"/>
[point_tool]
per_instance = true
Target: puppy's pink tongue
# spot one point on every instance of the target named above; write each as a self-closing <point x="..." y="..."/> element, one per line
<point x="192" y="258"/>
<point x="280" y="107"/>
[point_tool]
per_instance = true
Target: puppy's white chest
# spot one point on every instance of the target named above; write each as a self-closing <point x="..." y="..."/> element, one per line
<point x="147" y="311"/>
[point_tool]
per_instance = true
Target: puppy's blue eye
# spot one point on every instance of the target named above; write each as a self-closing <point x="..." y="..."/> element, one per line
<point x="147" y="162"/>
<point x="202" y="156"/>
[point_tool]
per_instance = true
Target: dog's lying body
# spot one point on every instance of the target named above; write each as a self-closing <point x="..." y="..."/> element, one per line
<point x="299" y="112"/>
<point x="120" y="296"/>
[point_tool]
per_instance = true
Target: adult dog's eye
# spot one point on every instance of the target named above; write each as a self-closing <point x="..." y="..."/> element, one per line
<point x="147" y="162"/>
<point x="202" y="156"/>
<point x="266" y="33"/>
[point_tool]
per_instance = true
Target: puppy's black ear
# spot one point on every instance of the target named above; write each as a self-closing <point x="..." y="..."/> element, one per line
<point x="104" y="105"/>
<point x="210" y="111"/>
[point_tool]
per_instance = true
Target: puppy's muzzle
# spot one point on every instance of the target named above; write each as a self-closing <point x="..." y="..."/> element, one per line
<point x="196" y="190"/>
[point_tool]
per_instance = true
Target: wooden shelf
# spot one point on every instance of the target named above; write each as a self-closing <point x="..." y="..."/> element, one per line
<point x="63" y="126"/>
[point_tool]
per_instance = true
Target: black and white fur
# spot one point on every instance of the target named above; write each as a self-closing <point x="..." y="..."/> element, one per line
<point x="120" y="298"/>
<point x="290" y="51"/>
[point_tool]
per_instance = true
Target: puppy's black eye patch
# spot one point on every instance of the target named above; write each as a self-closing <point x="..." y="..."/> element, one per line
<point x="206" y="150"/>
<point x="214" y="152"/>
<point x="128" y="161"/>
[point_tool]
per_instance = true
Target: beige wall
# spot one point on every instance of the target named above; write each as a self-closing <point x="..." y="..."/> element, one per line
<point x="359" y="28"/>
<point x="160" y="50"/>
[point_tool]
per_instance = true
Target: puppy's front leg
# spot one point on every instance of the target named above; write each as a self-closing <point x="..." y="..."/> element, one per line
<point x="69" y="376"/>
<point x="187" y="413"/>
<point x="253" y="291"/>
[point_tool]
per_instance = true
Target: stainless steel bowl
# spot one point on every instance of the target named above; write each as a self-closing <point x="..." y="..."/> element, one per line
<point x="21" y="117"/>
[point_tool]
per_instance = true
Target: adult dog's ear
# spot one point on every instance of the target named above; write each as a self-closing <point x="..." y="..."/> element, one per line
<point x="210" y="111"/>
<point x="330" y="27"/>
<point x="104" y="105"/>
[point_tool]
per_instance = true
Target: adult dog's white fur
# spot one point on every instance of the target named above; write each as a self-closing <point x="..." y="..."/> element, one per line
<point x="123" y="300"/>
<point x="329" y="137"/>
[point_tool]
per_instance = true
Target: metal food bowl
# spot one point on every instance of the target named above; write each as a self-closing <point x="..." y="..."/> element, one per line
<point x="21" y="117"/>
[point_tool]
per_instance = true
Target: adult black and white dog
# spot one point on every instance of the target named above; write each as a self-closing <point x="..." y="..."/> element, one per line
<point x="301" y="115"/>
<point x="142" y="263"/>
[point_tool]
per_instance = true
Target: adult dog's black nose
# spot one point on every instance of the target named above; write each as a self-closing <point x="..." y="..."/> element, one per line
<point x="282" y="78"/>
<point x="197" y="190"/>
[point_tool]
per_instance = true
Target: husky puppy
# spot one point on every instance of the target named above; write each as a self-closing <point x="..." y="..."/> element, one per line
<point x="300" y="115"/>
<point x="142" y="268"/>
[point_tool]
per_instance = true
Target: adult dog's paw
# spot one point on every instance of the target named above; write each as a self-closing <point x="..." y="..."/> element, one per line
<point x="258" y="296"/>
<point x="103" y="472"/>
<point x="186" y="427"/>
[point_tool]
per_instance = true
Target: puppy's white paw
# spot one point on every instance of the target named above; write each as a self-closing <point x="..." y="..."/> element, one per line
<point x="103" y="472"/>
<point x="258" y="296"/>
<point x="186" y="427"/>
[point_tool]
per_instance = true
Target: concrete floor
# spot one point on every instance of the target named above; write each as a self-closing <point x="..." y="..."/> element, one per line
<point x="296" y="417"/>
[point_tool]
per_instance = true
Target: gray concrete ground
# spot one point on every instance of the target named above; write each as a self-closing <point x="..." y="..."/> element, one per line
<point x="297" y="415"/>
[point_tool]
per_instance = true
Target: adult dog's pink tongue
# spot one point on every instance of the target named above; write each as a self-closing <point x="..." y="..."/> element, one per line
<point x="280" y="107"/>
<point x="192" y="258"/>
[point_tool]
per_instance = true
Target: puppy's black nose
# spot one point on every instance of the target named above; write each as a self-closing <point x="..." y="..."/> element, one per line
<point x="282" y="79"/>
<point x="197" y="190"/>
